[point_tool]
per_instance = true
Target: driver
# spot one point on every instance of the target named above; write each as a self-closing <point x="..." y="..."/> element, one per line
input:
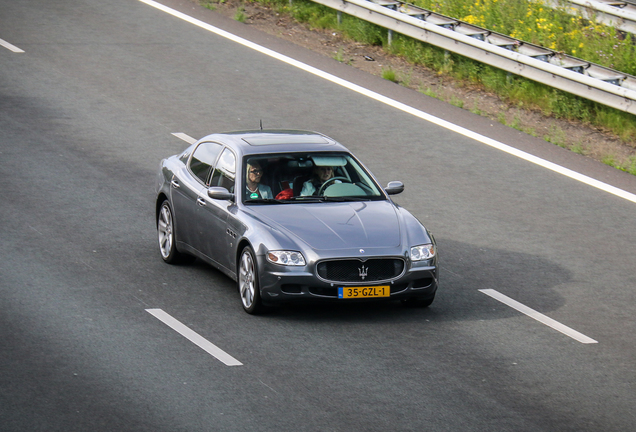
<point x="254" y="188"/>
<point x="320" y="175"/>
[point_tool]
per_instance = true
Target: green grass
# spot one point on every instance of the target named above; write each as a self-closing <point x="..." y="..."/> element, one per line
<point x="390" y="75"/>
<point x="475" y="109"/>
<point x="556" y="136"/>
<point x="339" y="55"/>
<point x="629" y="166"/>
<point x="240" y="15"/>
<point x="516" y="123"/>
<point x="578" y="149"/>
<point x="429" y="92"/>
<point x="406" y="80"/>
<point x="456" y="102"/>
<point x="609" y="160"/>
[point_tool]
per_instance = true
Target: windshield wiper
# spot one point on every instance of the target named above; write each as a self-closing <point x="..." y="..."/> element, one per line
<point x="308" y="198"/>
<point x="344" y="198"/>
<point x="322" y="198"/>
<point x="266" y="201"/>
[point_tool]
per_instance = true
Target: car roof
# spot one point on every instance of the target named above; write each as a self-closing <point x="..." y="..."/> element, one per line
<point x="254" y="142"/>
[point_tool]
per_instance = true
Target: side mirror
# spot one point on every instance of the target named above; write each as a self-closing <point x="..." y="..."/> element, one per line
<point x="394" y="188"/>
<point x="220" y="193"/>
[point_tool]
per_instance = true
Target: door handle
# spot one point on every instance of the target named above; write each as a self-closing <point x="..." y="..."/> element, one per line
<point x="175" y="184"/>
<point x="201" y="202"/>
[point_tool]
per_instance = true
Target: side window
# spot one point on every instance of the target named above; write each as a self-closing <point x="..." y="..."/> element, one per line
<point x="225" y="171"/>
<point x="203" y="159"/>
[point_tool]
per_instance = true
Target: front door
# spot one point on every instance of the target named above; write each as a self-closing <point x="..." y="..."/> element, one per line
<point x="214" y="213"/>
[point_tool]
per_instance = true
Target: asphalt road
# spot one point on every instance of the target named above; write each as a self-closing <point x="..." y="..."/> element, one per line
<point x="87" y="111"/>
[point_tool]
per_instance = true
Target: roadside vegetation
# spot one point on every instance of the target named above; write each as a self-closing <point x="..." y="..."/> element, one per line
<point x="528" y="21"/>
<point x="553" y="28"/>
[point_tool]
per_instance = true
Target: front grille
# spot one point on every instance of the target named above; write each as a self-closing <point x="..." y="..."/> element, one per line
<point x="353" y="270"/>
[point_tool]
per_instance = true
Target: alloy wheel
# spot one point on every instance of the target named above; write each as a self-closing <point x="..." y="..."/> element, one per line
<point x="165" y="231"/>
<point x="247" y="286"/>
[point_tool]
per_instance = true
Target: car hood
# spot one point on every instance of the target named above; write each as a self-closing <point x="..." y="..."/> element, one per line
<point x="365" y="224"/>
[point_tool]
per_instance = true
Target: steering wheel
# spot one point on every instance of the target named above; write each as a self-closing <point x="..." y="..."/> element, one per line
<point x="331" y="180"/>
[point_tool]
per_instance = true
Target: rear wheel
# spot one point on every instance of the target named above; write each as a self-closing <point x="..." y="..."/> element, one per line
<point x="248" y="285"/>
<point x="166" y="236"/>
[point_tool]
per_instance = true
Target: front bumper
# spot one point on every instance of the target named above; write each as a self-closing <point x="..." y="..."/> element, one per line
<point x="281" y="284"/>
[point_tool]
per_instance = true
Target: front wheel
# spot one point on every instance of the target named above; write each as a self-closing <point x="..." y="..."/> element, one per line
<point x="166" y="235"/>
<point x="248" y="285"/>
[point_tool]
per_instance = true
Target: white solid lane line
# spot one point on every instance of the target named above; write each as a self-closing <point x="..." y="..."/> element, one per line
<point x="403" y="107"/>
<point x="184" y="137"/>
<point x="8" y="46"/>
<point x="538" y="316"/>
<point x="194" y="337"/>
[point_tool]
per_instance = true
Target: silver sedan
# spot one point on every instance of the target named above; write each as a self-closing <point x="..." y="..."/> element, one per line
<point x="292" y="216"/>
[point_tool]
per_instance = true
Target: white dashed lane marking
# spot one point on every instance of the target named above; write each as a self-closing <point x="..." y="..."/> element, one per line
<point x="194" y="337"/>
<point x="10" y="47"/>
<point x="184" y="137"/>
<point x="538" y="316"/>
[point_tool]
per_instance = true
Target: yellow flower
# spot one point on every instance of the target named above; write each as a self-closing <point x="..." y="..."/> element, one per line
<point x="581" y="45"/>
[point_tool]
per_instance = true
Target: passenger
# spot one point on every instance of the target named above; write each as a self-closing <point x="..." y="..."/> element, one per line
<point x="320" y="175"/>
<point x="254" y="188"/>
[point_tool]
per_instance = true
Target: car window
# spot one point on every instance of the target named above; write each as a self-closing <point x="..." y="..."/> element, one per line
<point x="225" y="171"/>
<point x="203" y="159"/>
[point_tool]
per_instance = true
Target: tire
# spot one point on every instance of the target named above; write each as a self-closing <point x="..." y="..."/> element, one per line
<point x="418" y="302"/>
<point x="166" y="236"/>
<point x="247" y="281"/>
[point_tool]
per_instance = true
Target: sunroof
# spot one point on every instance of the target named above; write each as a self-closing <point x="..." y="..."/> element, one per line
<point x="285" y="139"/>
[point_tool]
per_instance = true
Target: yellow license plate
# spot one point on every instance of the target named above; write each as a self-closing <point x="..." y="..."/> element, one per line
<point x="364" y="292"/>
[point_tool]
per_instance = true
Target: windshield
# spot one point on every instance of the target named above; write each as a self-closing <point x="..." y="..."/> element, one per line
<point x="306" y="177"/>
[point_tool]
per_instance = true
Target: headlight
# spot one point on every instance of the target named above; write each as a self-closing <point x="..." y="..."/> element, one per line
<point x="290" y="258"/>
<point x="422" y="252"/>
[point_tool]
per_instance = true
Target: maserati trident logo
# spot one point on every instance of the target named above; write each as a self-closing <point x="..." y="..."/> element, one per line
<point x="363" y="271"/>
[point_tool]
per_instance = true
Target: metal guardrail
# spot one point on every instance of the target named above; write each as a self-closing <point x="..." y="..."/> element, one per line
<point x="620" y="14"/>
<point x="570" y="74"/>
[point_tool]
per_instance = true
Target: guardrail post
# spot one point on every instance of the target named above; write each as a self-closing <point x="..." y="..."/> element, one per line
<point x="390" y="37"/>
<point x="339" y="18"/>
